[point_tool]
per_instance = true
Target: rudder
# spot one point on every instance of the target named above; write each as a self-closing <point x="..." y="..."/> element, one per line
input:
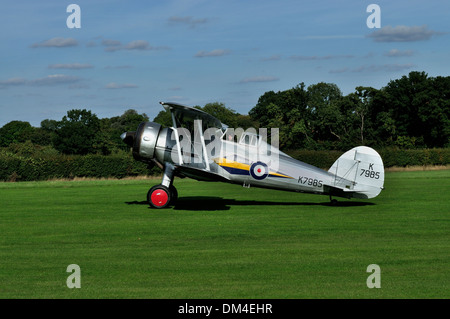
<point x="360" y="171"/>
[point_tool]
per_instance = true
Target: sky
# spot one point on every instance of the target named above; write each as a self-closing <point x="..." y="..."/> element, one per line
<point x="134" y="54"/>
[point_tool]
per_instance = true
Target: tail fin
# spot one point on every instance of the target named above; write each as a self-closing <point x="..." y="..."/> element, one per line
<point x="359" y="171"/>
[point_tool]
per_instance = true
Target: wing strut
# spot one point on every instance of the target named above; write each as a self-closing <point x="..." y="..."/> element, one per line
<point x="174" y="123"/>
<point x="202" y="139"/>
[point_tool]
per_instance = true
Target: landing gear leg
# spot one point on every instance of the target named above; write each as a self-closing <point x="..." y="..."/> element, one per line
<point x="165" y="194"/>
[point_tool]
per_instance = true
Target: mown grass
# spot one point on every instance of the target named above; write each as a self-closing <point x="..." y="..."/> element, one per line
<point x="224" y="241"/>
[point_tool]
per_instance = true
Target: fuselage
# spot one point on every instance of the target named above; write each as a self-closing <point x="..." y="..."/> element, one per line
<point x="258" y="165"/>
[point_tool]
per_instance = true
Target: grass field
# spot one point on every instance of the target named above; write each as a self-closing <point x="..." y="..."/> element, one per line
<point x="224" y="241"/>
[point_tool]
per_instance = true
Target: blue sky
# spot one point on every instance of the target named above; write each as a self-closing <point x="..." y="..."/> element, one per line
<point x="133" y="54"/>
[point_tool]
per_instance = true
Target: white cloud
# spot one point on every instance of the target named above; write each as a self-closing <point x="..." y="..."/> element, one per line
<point x="375" y="68"/>
<point x="12" y="82"/>
<point x="111" y="43"/>
<point x="49" y="80"/>
<point x="56" y="43"/>
<point x="385" y="68"/>
<point x="402" y="33"/>
<point x="275" y="57"/>
<point x="331" y="37"/>
<point x="79" y="86"/>
<point x="259" y="79"/>
<point x="397" y="53"/>
<point x="140" y="45"/>
<point x="315" y="57"/>
<point x="115" y="86"/>
<point x="213" y="53"/>
<point x="71" y="66"/>
<point x="55" y="79"/>
<point x="118" y="67"/>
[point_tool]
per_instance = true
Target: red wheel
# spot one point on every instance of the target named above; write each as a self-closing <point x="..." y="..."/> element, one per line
<point x="159" y="196"/>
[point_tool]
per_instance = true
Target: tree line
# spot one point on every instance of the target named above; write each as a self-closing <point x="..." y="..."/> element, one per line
<point x="408" y="113"/>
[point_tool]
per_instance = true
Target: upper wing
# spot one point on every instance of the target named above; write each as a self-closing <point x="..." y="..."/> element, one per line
<point x="196" y="122"/>
<point x="184" y="116"/>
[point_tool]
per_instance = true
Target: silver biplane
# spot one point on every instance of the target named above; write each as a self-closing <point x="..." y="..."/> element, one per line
<point x="199" y="146"/>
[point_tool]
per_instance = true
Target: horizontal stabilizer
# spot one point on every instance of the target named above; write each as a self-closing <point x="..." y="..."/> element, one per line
<point x="335" y="191"/>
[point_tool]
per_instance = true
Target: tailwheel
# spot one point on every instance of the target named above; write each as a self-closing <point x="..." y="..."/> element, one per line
<point x="159" y="196"/>
<point x="333" y="201"/>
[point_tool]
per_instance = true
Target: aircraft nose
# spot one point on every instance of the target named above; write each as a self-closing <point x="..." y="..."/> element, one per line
<point x="128" y="138"/>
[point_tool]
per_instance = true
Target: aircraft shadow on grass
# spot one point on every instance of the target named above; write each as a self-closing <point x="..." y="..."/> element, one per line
<point x="205" y="203"/>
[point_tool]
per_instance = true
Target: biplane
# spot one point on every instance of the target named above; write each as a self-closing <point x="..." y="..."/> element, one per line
<point x="201" y="147"/>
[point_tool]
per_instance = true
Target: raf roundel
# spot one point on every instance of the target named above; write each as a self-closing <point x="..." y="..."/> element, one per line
<point x="259" y="170"/>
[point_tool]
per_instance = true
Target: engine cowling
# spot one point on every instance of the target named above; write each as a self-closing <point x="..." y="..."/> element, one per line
<point x="143" y="140"/>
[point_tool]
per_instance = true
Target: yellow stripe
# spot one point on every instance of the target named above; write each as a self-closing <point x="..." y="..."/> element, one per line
<point x="281" y="175"/>
<point x="233" y="164"/>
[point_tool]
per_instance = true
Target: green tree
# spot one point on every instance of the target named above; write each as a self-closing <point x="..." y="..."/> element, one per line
<point x="259" y="111"/>
<point x="77" y="133"/>
<point x="39" y="136"/>
<point x="323" y="112"/>
<point x="363" y="111"/>
<point x="46" y="134"/>
<point x="115" y="126"/>
<point x="15" y="132"/>
<point x="245" y="122"/>
<point x="224" y="114"/>
<point x="420" y="108"/>
<point x="402" y="99"/>
<point x="287" y="111"/>
<point x="128" y="121"/>
<point x="434" y="112"/>
<point x="49" y="125"/>
<point x="164" y="118"/>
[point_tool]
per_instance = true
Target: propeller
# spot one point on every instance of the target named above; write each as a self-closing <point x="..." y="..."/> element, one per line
<point x="128" y="138"/>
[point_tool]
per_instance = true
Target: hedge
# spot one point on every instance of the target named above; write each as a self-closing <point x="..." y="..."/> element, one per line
<point x="419" y="157"/>
<point x="15" y="167"/>
<point x="391" y="157"/>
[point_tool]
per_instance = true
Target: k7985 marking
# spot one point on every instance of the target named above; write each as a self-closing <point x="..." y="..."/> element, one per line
<point x="310" y="181"/>
<point x="369" y="174"/>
